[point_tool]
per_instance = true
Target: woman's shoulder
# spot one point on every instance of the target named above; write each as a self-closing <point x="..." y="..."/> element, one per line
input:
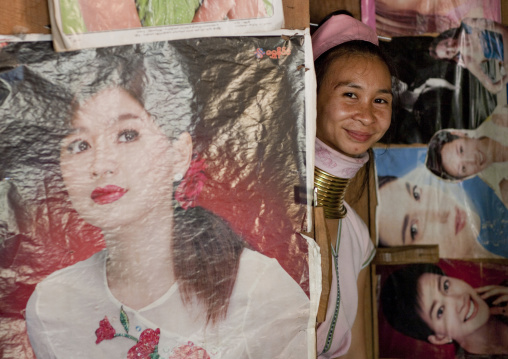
<point x="260" y="273"/>
<point x="76" y="272"/>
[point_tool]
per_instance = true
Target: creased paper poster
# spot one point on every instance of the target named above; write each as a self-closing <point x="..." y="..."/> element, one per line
<point x="148" y="203"/>
<point x="452" y="309"/>
<point x="418" y="17"/>
<point x="466" y="218"/>
<point x="454" y="80"/>
<point x="80" y="24"/>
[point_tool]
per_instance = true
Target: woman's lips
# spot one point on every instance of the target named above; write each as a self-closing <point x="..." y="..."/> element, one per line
<point x="472" y="310"/>
<point x="108" y="194"/>
<point x="460" y="220"/>
<point x="359" y="136"/>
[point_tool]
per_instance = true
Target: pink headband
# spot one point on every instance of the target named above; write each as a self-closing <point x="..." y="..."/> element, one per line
<point x="340" y="29"/>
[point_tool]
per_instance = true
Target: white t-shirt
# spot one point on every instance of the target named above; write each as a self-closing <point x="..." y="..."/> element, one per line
<point x="268" y="316"/>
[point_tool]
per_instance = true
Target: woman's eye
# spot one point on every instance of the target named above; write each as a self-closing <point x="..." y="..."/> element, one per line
<point x="128" y="136"/>
<point x="446" y="285"/>
<point x="463" y="169"/>
<point x="414" y="231"/>
<point x="380" y="100"/>
<point x="350" y="94"/>
<point x="78" y="146"/>
<point x="416" y="193"/>
<point x="439" y="313"/>
<point x="461" y="149"/>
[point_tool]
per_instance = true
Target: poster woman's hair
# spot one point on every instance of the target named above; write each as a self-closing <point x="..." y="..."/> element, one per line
<point x="434" y="160"/>
<point x="400" y="300"/>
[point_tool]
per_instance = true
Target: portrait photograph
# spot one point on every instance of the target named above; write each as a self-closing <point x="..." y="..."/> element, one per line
<point x="450" y="309"/>
<point x="415" y="207"/>
<point x="151" y="201"/>
<point x="80" y="24"/>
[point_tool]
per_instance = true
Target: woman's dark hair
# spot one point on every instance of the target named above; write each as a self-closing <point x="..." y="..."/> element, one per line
<point x="206" y="256"/>
<point x="349" y="48"/>
<point x="400" y="300"/>
<point x="434" y="160"/>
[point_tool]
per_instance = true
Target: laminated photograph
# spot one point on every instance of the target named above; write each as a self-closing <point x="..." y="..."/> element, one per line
<point x="80" y="24"/>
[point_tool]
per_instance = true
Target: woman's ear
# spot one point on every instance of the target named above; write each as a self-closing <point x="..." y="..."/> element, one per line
<point x="182" y="150"/>
<point x="439" y="339"/>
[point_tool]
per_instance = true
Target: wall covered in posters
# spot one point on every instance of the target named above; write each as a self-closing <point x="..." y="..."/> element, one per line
<point x="144" y="209"/>
<point x="442" y="178"/>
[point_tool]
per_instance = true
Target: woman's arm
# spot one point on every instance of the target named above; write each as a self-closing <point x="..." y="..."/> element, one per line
<point x="475" y="68"/>
<point x="247" y="9"/>
<point x="109" y="15"/>
<point x="358" y="349"/>
<point x="486" y="24"/>
<point x="213" y="10"/>
<point x="500" y="119"/>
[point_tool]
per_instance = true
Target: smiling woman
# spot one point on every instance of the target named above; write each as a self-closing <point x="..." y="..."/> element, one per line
<point x="457" y="155"/>
<point x="420" y="301"/>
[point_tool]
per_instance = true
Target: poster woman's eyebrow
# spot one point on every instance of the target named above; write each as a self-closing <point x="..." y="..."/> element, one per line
<point x="128" y="116"/>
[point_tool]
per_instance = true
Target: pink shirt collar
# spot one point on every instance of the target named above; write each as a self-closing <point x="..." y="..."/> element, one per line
<point x="336" y="163"/>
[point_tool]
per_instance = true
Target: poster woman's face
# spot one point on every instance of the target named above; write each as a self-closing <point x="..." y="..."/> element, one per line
<point x="447" y="48"/>
<point x="464" y="157"/>
<point x="354" y="104"/>
<point x="414" y="214"/>
<point x="117" y="165"/>
<point x="450" y="307"/>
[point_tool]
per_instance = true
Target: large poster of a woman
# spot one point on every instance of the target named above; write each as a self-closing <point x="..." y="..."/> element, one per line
<point x="144" y="209"/>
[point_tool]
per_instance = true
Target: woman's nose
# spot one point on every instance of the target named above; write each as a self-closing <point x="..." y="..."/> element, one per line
<point x="104" y="162"/>
<point x="365" y="114"/>
<point x="437" y="215"/>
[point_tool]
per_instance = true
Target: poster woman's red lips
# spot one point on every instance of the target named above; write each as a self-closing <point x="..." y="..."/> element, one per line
<point x="108" y="194"/>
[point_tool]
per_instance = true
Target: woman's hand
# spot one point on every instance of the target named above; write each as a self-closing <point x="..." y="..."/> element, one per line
<point x="213" y="10"/>
<point x="500" y="303"/>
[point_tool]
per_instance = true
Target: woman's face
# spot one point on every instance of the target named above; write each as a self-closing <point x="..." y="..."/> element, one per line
<point x="450" y="307"/>
<point x="464" y="157"/>
<point x="413" y="214"/>
<point x="354" y="104"/>
<point x="117" y="165"/>
<point x="447" y="48"/>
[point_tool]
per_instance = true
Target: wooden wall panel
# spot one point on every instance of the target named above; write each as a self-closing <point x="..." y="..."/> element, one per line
<point x="320" y="8"/>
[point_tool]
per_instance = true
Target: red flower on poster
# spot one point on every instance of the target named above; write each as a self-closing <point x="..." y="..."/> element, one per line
<point x="105" y="331"/>
<point x="146" y="346"/>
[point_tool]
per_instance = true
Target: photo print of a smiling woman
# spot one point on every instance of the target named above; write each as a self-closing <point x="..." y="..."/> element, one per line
<point x="449" y="309"/>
